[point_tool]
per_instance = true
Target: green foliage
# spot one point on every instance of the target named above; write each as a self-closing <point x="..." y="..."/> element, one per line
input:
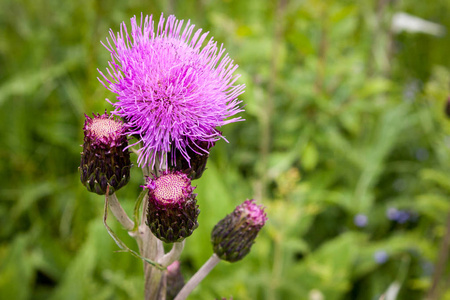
<point x="344" y="117"/>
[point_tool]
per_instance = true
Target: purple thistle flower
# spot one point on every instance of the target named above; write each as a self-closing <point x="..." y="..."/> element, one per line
<point x="170" y="90"/>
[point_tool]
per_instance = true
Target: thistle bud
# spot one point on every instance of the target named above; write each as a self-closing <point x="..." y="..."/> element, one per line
<point x="104" y="160"/>
<point x="175" y="280"/>
<point x="233" y="236"/>
<point x="172" y="207"/>
<point x="198" y="153"/>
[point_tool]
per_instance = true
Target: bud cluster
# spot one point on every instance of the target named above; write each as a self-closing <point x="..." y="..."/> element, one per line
<point x="172" y="209"/>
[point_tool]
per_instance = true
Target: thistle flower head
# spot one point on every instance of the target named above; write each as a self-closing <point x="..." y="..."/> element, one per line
<point x="170" y="188"/>
<point x="253" y="213"/>
<point x="103" y="131"/>
<point x="104" y="160"/>
<point x="170" y="89"/>
<point x="233" y="236"/>
<point x="172" y="207"/>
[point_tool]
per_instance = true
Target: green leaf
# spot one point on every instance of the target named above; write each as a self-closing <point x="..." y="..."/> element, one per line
<point x="137" y="206"/>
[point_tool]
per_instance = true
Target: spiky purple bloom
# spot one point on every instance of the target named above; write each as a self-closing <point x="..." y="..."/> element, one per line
<point x="233" y="236"/>
<point x="170" y="90"/>
<point x="104" y="160"/>
<point x="172" y="208"/>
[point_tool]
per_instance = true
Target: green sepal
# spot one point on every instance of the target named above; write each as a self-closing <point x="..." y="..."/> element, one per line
<point x="174" y="223"/>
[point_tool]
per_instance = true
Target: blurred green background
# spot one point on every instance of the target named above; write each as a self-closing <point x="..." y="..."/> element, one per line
<point x="345" y="142"/>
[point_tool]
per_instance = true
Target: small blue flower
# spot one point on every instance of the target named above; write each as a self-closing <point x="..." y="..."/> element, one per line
<point x="400" y="216"/>
<point x="381" y="256"/>
<point x="392" y="213"/>
<point x="360" y="220"/>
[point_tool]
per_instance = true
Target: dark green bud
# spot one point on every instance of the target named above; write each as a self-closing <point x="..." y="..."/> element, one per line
<point x="233" y="236"/>
<point x="198" y="152"/>
<point x="104" y="160"/>
<point x="175" y="280"/>
<point x="172" y="208"/>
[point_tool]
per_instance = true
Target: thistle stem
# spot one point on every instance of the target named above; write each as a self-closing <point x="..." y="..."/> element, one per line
<point x="153" y="283"/>
<point x="173" y="255"/>
<point x="151" y="248"/>
<point x="119" y="213"/>
<point x="198" y="277"/>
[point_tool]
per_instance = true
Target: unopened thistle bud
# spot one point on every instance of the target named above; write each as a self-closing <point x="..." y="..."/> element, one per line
<point x="104" y="160"/>
<point x="233" y="236"/>
<point x="172" y="207"/>
<point x="198" y="153"/>
<point x="175" y="280"/>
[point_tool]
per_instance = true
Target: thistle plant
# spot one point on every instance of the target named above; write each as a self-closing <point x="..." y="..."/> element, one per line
<point x="174" y="90"/>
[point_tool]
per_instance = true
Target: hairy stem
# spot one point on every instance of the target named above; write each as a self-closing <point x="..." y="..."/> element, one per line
<point x="173" y="255"/>
<point x="119" y="213"/>
<point x="151" y="248"/>
<point x="198" y="277"/>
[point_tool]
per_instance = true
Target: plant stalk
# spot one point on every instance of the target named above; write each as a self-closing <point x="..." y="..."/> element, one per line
<point x="119" y="213"/>
<point x="153" y="249"/>
<point x="173" y="255"/>
<point x="198" y="277"/>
